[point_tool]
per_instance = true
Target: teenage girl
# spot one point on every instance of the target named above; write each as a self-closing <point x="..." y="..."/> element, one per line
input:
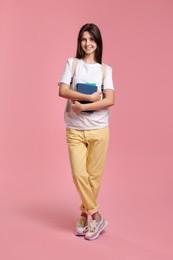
<point x="87" y="125"/>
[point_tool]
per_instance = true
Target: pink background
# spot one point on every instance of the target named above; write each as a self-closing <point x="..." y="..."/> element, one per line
<point x="38" y="201"/>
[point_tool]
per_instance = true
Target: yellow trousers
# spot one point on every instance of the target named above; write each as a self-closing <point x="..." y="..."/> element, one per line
<point x="87" y="153"/>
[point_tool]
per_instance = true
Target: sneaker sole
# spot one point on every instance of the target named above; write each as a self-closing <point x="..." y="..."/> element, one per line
<point x="79" y="234"/>
<point x="99" y="232"/>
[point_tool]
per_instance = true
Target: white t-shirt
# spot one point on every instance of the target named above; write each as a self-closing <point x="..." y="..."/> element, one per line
<point x="87" y="73"/>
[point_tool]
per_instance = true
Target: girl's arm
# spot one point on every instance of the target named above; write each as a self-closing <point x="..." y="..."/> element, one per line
<point x="66" y="92"/>
<point x="107" y="101"/>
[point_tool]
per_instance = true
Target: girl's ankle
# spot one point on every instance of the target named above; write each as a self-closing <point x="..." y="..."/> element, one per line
<point x="96" y="216"/>
<point x="84" y="215"/>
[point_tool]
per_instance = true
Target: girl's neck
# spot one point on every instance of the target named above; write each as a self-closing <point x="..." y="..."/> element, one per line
<point x="89" y="59"/>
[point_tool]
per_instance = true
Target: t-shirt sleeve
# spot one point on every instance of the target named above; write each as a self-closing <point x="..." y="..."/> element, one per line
<point x="66" y="76"/>
<point x="108" y="81"/>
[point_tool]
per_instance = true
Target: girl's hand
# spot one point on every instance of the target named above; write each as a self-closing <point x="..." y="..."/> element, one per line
<point x="76" y="106"/>
<point x="96" y="96"/>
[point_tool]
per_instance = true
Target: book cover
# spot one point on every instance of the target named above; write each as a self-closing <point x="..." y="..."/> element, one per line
<point x="86" y="88"/>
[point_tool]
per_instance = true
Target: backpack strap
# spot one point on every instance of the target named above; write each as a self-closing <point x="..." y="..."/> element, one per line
<point x="104" y="72"/>
<point x="73" y="70"/>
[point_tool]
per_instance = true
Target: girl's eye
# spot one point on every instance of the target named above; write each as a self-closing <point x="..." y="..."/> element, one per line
<point x="84" y="40"/>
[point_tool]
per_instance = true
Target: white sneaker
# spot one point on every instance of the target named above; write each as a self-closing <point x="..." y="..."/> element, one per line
<point x="81" y="225"/>
<point x="95" y="228"/>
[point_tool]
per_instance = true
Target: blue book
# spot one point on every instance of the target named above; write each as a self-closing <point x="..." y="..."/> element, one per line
<point x="86" y="89"/>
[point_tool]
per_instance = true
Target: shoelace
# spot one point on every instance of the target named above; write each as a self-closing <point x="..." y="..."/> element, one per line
<point x="91" y="227"/>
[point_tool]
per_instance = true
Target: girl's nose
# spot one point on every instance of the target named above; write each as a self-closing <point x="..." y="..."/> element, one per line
<point x="87" y="42"/>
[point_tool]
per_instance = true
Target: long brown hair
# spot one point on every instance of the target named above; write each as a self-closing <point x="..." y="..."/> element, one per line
<point x="96" y="34"/>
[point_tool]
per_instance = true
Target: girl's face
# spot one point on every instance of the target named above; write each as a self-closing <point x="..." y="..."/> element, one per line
<point x="88" y="44"/>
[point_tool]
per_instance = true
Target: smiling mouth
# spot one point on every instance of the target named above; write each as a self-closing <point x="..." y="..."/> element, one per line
<point x="88" y="49"/>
